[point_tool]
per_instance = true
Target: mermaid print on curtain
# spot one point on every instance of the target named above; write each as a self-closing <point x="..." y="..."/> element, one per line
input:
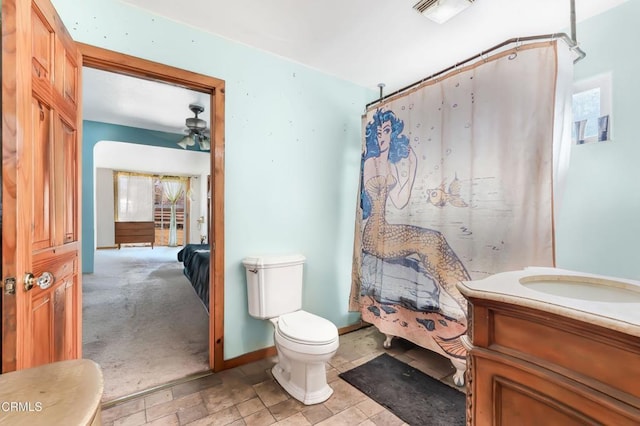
<point x="456" y="184"/>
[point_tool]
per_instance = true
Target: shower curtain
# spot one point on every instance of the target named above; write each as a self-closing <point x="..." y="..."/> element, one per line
<point x="457" y="183"/>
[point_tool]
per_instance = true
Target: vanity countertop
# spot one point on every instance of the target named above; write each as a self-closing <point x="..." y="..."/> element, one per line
<point x="609" y="302"/>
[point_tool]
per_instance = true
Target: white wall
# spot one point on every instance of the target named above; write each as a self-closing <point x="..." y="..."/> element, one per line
<point x="598" y="227"/>
<point x="292" y="156"/>
<point x="105" y="216"/>
<point x="110" y="155"/>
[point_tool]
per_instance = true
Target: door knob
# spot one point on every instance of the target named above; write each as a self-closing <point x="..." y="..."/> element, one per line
<point x="43" y="281"/>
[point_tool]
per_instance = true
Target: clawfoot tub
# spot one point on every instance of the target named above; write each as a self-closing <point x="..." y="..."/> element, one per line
<point x="458" y="364"/>
<point x="415" y="310"/>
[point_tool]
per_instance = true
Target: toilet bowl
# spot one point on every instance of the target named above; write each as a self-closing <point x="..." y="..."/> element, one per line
<point x="305" y="343"/>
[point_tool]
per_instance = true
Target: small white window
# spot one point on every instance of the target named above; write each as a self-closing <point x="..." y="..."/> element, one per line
<point x="592" y="110"/>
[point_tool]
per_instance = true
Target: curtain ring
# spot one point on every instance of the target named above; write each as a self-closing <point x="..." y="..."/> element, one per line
<point x="518" y="43"/>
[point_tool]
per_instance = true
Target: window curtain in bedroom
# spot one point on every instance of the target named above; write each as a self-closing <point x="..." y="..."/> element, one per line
<point x="173" y="188"/>
<point x="134" y="197"/>
<point x="457" y="183"/>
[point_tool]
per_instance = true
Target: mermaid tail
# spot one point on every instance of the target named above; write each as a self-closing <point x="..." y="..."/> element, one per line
<point x="392" y="241"/>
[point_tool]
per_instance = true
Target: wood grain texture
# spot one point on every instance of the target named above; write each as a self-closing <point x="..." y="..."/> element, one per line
<point x="135" y="232"/>
<point x="534" y="367"/>
<point x="38" y="57"/>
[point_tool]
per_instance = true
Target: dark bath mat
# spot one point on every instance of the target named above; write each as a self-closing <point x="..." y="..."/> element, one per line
<point x="409" y="393"/>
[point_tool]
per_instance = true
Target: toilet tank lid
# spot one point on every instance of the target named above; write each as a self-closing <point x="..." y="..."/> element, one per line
<point x="273" y="261"/>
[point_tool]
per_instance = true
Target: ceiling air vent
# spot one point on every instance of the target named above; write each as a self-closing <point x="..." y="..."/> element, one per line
<point x="441" y="10"/>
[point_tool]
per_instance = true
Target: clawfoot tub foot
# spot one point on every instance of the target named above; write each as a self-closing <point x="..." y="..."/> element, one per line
<point x="387" y="342"/>
<point x="461" y="367"/>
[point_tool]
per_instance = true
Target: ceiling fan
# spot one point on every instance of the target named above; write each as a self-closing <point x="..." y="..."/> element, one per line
<point x="197" y="130"/>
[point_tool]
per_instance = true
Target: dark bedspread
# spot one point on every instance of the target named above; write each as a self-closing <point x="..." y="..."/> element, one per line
<point x="195" y="258"/>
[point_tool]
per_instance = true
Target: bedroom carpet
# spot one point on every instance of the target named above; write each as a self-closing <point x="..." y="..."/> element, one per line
<point x="408" y="393"/>
<point x="142" y="322"/>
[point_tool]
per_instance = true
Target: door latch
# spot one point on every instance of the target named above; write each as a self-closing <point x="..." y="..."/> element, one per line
<point x="10" y="285"/>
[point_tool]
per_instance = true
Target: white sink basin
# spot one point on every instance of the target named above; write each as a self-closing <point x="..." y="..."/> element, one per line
<point x="583" y="288"/>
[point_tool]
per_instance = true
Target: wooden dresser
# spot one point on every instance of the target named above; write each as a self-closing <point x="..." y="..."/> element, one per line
<point x="544" y="365"/>
<point x="134" y="232"/>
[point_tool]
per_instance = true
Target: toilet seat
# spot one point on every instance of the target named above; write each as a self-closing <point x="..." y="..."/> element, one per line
<point x="305" y="328"/>
<point x="304" y="350"/>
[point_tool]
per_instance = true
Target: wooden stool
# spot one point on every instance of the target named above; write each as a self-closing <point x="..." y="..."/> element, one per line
<point x="62" y="393"/>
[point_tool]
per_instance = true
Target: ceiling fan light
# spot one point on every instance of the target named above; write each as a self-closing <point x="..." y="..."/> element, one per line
<point x="186" y="141"/>
<point x="205" y="144"/>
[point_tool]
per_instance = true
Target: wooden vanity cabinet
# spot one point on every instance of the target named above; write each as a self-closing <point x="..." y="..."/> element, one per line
<point x="530" y="367"/>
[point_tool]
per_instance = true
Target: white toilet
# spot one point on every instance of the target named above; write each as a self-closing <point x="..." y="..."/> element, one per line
<point x="304" y="341"/>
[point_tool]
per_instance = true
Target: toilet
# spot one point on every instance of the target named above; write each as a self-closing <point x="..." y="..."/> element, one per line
<point x="304" y="341"/>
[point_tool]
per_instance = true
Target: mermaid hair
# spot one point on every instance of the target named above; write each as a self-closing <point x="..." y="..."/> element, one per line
<point x="398" y="148"/>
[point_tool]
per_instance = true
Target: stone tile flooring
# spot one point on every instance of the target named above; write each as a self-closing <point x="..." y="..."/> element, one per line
<point x="248" y="395"/>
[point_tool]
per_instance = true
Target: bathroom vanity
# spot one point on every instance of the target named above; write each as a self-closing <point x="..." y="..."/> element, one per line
<point x="552" y="347"/>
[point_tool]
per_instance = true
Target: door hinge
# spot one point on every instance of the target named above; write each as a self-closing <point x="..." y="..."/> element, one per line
<point x="10" y="285"/>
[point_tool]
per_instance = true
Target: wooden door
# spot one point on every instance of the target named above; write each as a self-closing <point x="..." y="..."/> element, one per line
<point x="41" y="125"/>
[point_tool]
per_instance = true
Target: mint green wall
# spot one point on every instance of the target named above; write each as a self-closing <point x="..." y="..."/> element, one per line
<point x="92" y="133"/>
<point x="599" y="223"/>
<point x="292" y="155"/>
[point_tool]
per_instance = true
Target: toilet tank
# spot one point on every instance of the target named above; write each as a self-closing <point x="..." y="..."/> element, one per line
<point x="274" y="284"/>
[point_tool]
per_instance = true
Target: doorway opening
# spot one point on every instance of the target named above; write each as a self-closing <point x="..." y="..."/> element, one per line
<point x="131" y="66"/>
<point x="145" y="320"/>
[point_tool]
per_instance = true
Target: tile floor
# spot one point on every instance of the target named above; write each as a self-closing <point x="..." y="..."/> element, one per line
<point x="248" y="395"/>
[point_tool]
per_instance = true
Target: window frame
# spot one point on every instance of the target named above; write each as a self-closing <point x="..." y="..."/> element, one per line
<point x="603" y="82"/>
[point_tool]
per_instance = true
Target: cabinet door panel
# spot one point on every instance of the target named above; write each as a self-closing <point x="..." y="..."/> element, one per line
<point x="521" y="405"/>
<point x="508" y="392"/>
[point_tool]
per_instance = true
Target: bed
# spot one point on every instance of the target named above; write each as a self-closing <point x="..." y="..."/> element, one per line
<point x="195" y="258"/>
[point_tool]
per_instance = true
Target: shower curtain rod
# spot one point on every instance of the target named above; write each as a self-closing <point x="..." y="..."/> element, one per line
<point x="563" y="36"/>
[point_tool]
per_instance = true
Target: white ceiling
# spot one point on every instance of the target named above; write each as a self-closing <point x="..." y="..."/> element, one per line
<point x="130" y="101"/>
<point x="366" y="42"/>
